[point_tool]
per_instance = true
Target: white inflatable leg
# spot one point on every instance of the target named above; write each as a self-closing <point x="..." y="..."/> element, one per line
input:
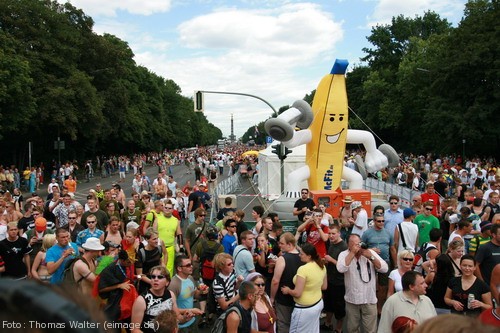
<point x="353" y="177"/>
<point x="295" y="179"/>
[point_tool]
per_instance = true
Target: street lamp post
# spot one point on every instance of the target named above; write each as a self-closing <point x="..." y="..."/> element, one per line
<point x="463" y="149"/>
<point x="198" y="101"/>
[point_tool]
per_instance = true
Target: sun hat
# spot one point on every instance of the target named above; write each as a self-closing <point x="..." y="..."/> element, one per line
<point x="347" y="199"/>
<point x="93" y="244"/>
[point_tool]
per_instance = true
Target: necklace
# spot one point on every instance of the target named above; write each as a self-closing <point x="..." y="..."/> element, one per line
<point x="121" y="269"/>
<point x="263" y="305"/>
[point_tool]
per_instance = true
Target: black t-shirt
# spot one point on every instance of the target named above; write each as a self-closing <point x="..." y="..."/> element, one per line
<point x="478" y="289"/>
<point x="488" y="256"/>
<point x="440" y="188"/>
<point x="24" y="222"/>
<point x="222" y="212"/>
<point x="13" y="254"/>
<point x="334" y="277"/>
<point x="154" y="306"/>
<point x="196" y="201"/>
<point x="110" y="276"/>
<point x="299" y="204"/>
<point x="147" y="259"/>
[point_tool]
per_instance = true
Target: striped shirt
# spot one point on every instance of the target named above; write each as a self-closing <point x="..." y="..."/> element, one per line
<point x="473" y="246"/>
<point x="224" y="287"/>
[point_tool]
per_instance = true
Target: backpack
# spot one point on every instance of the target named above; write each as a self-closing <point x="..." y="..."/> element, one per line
<point x="220" y="322"/>
<point x="143" y="222"/>
<point x="68" y="276"/>
<point x="403" y="177"/>
<point x="207" y="269"/>
<point x="211" y="301"/>
<point x="420" y="257"/>
<point x="141" y="253"/>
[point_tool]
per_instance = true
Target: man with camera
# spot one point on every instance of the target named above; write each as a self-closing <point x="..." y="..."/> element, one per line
<point x="317" y="234"/>
<point x="360" y="266"/>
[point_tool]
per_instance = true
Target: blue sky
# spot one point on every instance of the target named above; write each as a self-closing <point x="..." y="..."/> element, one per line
<point x="276" y="49"/>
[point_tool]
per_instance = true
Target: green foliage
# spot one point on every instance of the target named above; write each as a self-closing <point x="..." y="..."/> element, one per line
<point x="59" y="78"/>
<point x="428" y="86"/>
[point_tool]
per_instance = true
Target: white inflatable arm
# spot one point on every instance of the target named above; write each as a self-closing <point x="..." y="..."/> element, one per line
<point x="301" y="137"/>
<point x="374" y="160"/>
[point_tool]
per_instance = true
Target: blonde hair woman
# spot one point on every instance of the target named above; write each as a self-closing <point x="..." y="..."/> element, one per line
<point x="39" y="269"/>
<point x="404" y="265"/>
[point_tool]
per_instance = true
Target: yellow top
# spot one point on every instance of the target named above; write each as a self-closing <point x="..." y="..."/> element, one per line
<point x="314" y="276"/>
<point x="167" y="226"/>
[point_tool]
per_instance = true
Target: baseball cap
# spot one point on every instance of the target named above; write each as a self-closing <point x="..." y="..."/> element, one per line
<point x="485" y="225"/>
<point x="356" y="204"/>
<point x="40" y="224"/>
<point x="408" y="212"/>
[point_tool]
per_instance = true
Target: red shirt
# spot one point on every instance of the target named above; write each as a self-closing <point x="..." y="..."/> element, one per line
<point x="314" y="238"/>
<point x="434" y="198"/>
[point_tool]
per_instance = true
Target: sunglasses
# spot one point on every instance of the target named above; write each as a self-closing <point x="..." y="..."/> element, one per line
<point x="91" y="222"/>
<point x="203" y="215"/>
<point x="230" y="264"/>
<point x="305" y="192"/>
<point x="382" y="221"/>
<point x="429" y="209"/>
<point x="407" y="259"/>
<point x="159" y="277"/>
<point x="232" y="226"/>
<point x="393" y="203"/>
<point x="260" y="284"/>
<point x="72" y="218"/>
<point x="187" y="265"/>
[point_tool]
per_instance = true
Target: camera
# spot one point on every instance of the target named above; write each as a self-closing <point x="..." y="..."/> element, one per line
<point x="363" y="245"/>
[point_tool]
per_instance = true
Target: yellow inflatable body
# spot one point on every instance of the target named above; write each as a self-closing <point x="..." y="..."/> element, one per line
<point x="325" y="152"/>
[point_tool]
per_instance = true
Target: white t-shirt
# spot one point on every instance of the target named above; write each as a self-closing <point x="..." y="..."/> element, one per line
<point x="361" y="221"/>
<point x="453" y="236"/>
<point x="396" y="277"/>
<point x="410" y="232"/>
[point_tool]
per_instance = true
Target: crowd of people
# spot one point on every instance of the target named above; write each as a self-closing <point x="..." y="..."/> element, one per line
<point x="157" y="253"/>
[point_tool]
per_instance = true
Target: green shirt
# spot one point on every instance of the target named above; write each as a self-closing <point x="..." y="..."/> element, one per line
<point x="425" y="224"/>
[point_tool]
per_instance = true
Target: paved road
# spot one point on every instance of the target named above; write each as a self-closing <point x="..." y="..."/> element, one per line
<point x="246" y="197"/>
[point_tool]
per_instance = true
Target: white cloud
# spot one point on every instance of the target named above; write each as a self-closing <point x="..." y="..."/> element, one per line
<point x="386" y="9"/>
<point x="110" y="7"/>
<point x="260" y="52"/>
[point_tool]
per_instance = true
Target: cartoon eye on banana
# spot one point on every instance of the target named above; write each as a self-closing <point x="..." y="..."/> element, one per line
<point x="324" y="129"/>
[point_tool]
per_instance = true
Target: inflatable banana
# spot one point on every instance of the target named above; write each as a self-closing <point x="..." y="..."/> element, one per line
<point x="325" y="152"/>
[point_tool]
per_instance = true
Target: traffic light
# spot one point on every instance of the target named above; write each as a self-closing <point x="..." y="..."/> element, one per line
<point x="198" y="101"/>
<point x="286" y="152"/>
<point x="276" y="150"/>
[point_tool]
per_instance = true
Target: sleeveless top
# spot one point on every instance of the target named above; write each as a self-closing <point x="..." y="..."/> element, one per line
<point x="246" y="319"/>
<point x="292" y="264"/>
<point x="154" y="306"/>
